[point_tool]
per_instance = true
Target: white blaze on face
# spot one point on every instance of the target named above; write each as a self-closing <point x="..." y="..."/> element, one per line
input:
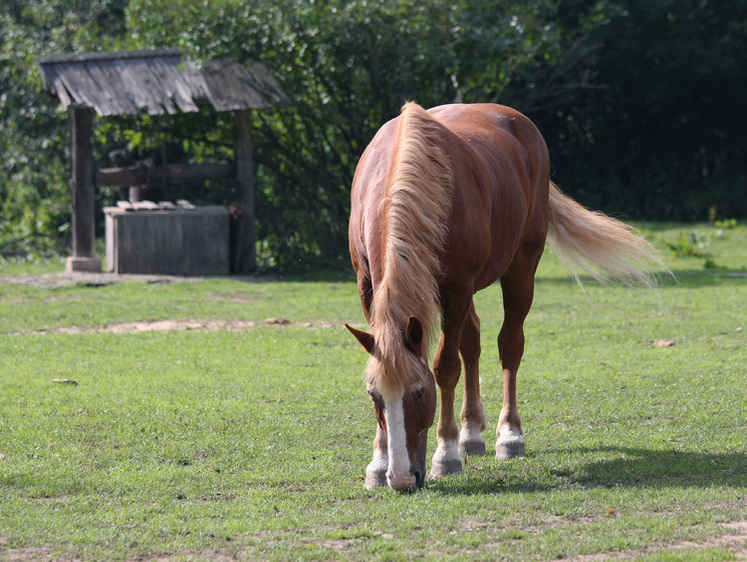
<point x="398" y="475"/>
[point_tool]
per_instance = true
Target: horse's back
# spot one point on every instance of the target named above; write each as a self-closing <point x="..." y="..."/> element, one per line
<point x="515" y="159"/>
<point x="501" y="177"/>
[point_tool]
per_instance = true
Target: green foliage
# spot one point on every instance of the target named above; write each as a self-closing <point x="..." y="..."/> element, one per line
<point x="726" y="223"/>
<point x="347" y="67"/>
<point x="660" y="135"/>
<point x="640" y="102"/>
<point x="34" y="137"/>
<point x="693" y="244"/>
<point x="699" y="242"/>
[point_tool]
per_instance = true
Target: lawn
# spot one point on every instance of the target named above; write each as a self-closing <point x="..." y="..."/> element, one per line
<point x="223" y="418"/>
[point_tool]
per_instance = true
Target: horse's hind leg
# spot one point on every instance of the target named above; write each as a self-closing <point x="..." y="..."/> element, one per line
<point x="518" y="291"/>
<point x="473" y="414"/>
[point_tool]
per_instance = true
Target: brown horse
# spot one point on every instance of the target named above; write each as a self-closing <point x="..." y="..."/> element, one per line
<point x="444" y="203"/>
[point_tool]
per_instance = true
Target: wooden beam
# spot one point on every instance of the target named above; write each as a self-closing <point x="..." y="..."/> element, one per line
<point x="245" y="242"/>
<point x="82" y="188"/>
<point x="163" y="175"/>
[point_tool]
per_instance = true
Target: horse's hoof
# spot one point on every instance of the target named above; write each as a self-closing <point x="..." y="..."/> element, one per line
<point x="471" y="442"/>
<point x="509" y="451"/>
<point x="446" y="460"/>
<point x="444" y="468"/>
<point x="473" y="447"/>
<point x="511" y="447"/>
<point x="376" y="479"/>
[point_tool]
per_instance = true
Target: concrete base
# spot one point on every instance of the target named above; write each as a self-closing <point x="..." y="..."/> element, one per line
<point x="78" y="264"/>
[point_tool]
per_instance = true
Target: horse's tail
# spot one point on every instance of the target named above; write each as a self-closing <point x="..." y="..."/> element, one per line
<point x="590" y="240"/>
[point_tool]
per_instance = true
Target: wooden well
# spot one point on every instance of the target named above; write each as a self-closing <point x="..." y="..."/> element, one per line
<point x="156" y="82"/>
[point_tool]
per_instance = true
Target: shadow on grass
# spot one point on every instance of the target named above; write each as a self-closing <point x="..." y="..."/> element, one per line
<point x="630" y="467"/>
<point x="642" y="467"/>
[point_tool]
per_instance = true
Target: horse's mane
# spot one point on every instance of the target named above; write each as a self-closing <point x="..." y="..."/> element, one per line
<point x="415" y="214"/>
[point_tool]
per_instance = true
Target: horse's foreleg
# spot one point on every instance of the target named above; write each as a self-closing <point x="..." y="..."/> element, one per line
<point x="473" y="414"/>
<point x="376" y="469"/>
<point x="518" y="292"/>
<point x="446" y="369"/>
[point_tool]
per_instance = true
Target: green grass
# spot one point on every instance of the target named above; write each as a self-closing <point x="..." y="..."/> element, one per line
<point x="253" y="443"/>
<point x="31" y="267"/>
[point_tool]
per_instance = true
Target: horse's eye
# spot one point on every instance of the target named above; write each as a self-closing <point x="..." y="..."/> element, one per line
<point x="419" y="394"/>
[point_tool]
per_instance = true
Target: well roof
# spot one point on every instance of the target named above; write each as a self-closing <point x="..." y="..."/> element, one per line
<point x="156" y="82"/>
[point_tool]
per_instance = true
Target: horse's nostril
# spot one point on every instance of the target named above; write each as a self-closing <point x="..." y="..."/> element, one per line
<point x="419" y="479"/>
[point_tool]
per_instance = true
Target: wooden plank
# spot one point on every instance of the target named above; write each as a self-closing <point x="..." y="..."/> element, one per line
<point x="62" y="92"/>
<point x="156" y="82"/>
<point x="232" y="86"/>
<point x="164" y="175"/>
<point x="76" y="83"/>
<point x="109" y="89"/>
<point x="135" y="84"/>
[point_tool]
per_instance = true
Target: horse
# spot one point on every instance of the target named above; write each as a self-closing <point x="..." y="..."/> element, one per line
<point x="444" y="203"/>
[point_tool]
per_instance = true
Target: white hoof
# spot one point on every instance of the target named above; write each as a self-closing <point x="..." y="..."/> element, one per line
<point x="446" y="460"/>
<point x="376" y="471"/>
<point x="375" y="480"/>
<point x="471" y="442"/>
<point x="510" y="445"/>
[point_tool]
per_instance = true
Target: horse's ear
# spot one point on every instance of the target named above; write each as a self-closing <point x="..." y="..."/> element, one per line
<point x="414" y="335"/>
<point x="365" y="339"/>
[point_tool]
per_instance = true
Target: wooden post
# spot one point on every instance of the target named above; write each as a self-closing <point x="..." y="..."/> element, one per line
<point x="82" y="187"/>
<point x="246" y="255"/>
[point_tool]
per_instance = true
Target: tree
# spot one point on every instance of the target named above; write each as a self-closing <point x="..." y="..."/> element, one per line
<point x="34" y="137"/>
<point x="661" y="137"/>
<point x="640" y="102"/>
<point x="347" y="66"/>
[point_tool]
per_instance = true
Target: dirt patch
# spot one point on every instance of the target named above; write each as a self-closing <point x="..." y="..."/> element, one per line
<point x="738" y="540"/>
<point x="735" y="541"/>
<point x="28" y="553"/>
<point x="56" y="280"/>
<point x="183" y="325"/>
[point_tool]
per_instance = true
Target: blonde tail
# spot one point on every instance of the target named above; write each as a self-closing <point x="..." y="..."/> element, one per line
<point x="592" y="241"/>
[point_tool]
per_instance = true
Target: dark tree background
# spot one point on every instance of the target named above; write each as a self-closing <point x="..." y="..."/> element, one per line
<point x="662" y="136"/>
<point x="641" y="102"/>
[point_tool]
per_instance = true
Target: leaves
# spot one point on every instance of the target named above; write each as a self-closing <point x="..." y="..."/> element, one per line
<point x="640" y="102"/>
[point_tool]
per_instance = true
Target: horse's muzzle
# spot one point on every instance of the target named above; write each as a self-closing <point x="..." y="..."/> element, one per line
<point x="406" y="483"/>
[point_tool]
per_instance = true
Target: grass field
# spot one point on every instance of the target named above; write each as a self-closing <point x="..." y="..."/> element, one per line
<point x="248" y="437"/>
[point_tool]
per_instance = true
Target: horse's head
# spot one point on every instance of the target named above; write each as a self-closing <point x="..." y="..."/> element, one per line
<point x="403" y="391"/>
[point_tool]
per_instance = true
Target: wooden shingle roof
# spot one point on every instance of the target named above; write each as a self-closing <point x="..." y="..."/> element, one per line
<point x="156" y="82"/>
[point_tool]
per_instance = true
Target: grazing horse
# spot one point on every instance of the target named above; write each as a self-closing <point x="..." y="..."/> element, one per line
<point x="444" y="203"/>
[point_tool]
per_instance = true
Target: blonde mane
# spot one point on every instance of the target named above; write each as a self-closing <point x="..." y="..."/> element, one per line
<point x="415" y="215"/>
